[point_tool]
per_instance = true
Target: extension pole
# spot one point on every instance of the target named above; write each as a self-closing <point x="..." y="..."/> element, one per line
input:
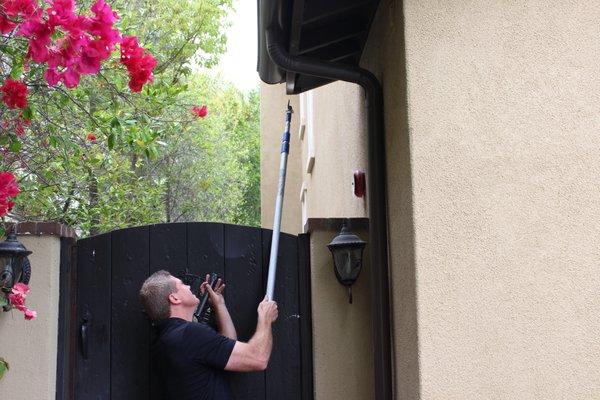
<point x="285" y="149"/>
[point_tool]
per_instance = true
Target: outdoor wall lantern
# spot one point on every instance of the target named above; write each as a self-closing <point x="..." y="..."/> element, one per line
<point x="14" y="265"/>
<point x="347" y="250"/>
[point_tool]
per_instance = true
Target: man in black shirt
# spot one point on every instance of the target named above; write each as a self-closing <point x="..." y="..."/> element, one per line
<point x="191" y="357"/>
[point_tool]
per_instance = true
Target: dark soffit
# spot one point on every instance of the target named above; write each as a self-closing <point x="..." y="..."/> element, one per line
<point x="324" y="30"/>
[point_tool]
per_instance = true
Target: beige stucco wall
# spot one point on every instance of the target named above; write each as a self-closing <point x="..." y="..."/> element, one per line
<point x="340" y="148"/>
<point x="30" y="346"/>
<point x="273" y="103"/>
<point x="493" y="167"/>
<point x="342" y="340"/>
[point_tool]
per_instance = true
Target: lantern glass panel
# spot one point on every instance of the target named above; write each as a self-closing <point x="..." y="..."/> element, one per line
<point x="348" y="263"/>
<point x="10" y="270"/>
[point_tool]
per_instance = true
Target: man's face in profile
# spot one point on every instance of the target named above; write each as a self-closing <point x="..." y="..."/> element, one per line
<point x="184" y="293"/>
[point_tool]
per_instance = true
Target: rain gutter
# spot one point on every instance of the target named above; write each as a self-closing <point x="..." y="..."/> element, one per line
<point x="377" y="192"/>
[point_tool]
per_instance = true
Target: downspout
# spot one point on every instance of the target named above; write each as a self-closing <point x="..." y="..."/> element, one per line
<point x="378" y="235"/>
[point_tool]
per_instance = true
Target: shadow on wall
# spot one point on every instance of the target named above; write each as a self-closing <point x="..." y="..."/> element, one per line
<point x="385" y="56"/>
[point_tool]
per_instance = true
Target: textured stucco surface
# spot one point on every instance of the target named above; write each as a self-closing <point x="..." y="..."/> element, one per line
<point x="340" y="148"/>
<point x="342" y="340"/>
<point x="273" y="103"/>
<point x="492" y="125"/>
<point x="30" y="346"/>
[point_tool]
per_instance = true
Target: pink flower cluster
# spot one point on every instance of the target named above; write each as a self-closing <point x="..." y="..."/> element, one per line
<point x="14" y="94"/>
<point x="8" y="189"/>
<point x="14" y="11"/>
<point x="17" y="298"/>
<point x="200" y="112"/>
<point x="139" y="63"/>
<point x="73" y="44"/>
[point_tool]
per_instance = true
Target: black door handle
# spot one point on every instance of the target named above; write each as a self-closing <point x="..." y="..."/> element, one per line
<point x="84" y="338"/>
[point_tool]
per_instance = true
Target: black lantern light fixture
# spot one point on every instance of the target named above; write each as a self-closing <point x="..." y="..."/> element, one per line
<point x="347" y="250"/>
<point x="14" y="265"/>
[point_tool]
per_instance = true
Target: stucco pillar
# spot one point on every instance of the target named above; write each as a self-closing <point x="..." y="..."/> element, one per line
<point x="30" y="347"/>
<point x="342" y="335"/>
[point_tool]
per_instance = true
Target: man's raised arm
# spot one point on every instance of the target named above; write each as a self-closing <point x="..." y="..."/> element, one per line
<point x="254" y="355"/>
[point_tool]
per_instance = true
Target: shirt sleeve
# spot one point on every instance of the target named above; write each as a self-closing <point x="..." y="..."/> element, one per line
<point x="207" y="346"/>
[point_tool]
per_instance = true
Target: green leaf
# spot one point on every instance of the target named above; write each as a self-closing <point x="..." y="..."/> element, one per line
<point x="28" y="113"/>
<point x="15" y="146"/>
<point x="115" y="123"/>
<point x="17" y="68"/>
<point x="111" y="141"/>
<point x="6" y="49"/>
<point x="3" y="367"/>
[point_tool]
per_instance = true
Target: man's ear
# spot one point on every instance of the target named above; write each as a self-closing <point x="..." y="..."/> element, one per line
<point x="173" y="299"/>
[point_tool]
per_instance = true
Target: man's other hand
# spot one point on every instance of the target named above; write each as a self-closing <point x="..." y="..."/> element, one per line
<point x="215" y="297"/>
<point x="267" y="311"/>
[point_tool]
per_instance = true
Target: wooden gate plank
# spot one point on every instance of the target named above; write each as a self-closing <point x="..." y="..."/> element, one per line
<point x="129" y="338"/>
<point x="305" y="307"/>
<point x="67" y="320"/>
<point x="283" y="374"/>
<point x="168" y="251"/>
<point x="168" y="247"/>
<point x="93" y="305"/>
<point x="245" y="289"/>
<point x="205" y="246"/>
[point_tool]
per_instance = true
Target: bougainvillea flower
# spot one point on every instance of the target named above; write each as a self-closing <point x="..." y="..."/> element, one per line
<point x="14" y="94"/>
<point x="18" y="295"/>
<point x="30" y="314"/>
<point x="71" y="77"/>
<point x="138" y="78"/>
<point x="8" y="187"/>
<point x="92" y="56"/>
<point x="19" y="8"/>
<point x="14" y="11"/>
<point x="200" y="112"/>
<point x="91" y="137"/>
<point x="61" y="13"/>
<point x="104" y="14"/>
<point x="139" y="63"/>
<point x="52" y="76"/>
<point x="38" y="49"/>
<point x="73" y="44"/>
<point x="20" y="288"/>
<point x="19" y="129"/>
<point x="39" y="34"/>
<point x="17" y="300"/>
<point x="6" y="25"/>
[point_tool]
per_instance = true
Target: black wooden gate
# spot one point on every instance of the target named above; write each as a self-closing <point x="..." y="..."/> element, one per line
<point x="113" y="335"/>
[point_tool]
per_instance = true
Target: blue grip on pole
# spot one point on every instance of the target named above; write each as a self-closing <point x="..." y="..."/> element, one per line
<point x="285" y="143"/>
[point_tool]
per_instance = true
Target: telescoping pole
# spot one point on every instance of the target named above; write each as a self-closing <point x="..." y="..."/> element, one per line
<point x="285" y="149"/>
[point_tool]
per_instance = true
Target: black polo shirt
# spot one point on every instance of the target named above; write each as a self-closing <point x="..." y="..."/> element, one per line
<point x="190" y="358"/>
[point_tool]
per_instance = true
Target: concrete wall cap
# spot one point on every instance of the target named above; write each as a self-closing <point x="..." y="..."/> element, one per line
<point x="41" y="228"/>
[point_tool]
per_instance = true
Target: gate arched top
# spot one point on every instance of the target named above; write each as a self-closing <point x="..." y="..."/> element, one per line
<point x="178" y="225"/>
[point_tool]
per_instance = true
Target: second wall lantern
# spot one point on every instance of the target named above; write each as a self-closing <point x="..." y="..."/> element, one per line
<point x="347" y="250"/>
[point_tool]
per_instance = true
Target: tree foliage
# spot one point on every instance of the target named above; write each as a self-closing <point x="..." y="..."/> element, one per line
<point x="99" y="157"/>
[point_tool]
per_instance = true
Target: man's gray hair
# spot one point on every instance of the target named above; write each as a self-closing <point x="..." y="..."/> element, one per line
<point x="154" y="295"/>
